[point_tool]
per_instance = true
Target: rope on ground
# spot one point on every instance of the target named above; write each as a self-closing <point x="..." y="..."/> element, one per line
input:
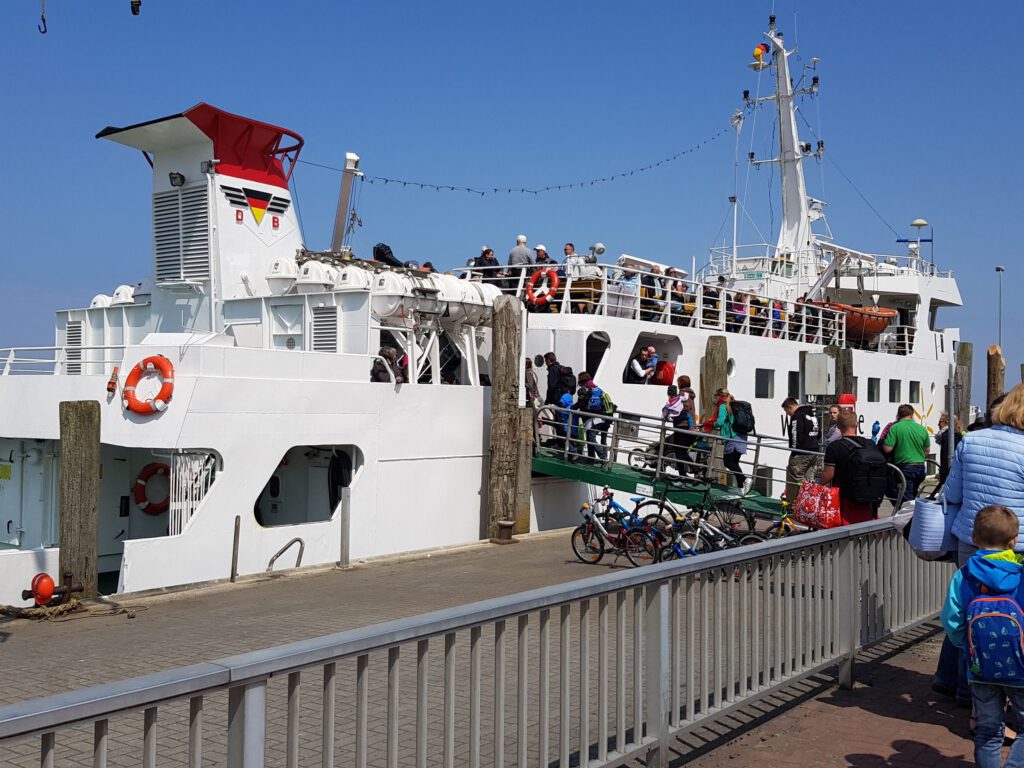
<point x="68" y="611"/>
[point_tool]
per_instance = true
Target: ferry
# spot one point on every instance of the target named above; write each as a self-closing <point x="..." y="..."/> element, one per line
<point x="240" y="428"/>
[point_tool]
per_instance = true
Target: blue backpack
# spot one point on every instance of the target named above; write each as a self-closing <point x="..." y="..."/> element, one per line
<point x="995" y="638"/>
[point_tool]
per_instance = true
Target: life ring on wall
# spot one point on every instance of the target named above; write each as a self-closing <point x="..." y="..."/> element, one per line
<point x="548" y="275"/>
<point x="141" y="499"/>
<point x="165" y="370"/>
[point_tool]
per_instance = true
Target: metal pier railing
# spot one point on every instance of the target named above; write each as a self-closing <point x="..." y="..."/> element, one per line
<point x="592" y="673"/>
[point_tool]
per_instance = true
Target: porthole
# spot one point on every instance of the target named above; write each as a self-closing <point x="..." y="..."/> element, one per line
<point x="730" y="367"/>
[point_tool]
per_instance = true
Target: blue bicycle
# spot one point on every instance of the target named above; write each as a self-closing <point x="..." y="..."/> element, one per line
<point x="608" y="525"/>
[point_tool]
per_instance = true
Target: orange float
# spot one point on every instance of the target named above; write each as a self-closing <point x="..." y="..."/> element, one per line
<point x="142" y="498"/>
<point x="42" y="588"/>
<point x="550" y="276"/>
<point x="162" y="367"/>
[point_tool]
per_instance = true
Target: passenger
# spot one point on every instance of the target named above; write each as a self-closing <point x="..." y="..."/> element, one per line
<point x="712" y="301"/>
<point x="567" y="427"/>
<point x="591" y="399"/>
<point x="560" y="380"/>
<point x="680" y="303"/>
<point x="942" y="440"/>
<point x="735" y="443"/>
<point x="652" y="358"/>
<point x="804" y="437"/>
<point x="639" y="370"/>
<point x="573" y="262"/>
<point x="530" y="380"/>
<point x="987" y="468"/>
<point x="847" y="474"/>
<point x="386" y="366"/>
<point x="519" y="260"/>
<point x="689" y="398"/>
<point x="428" y="266"/>
<point x="737" y="312"/>
<point x="834" y="432"/>
<point x="907" y="442"/>
<point x="992" y="573"/>
<point x="489" y="267"/>
<point x="652" y="294"/>
<point x="677" y="444"/>
<point x="541" y="258"/>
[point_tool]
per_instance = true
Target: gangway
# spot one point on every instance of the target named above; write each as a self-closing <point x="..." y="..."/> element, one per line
<point x="638" y="452"/>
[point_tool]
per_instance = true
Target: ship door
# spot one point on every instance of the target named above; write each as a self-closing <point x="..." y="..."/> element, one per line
<point x="10" y="493"/>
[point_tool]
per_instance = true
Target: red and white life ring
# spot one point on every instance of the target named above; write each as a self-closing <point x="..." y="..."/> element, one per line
<point x="141" y="498"/>
<point x="551" y="279"/>
<point x="162" y="367"/>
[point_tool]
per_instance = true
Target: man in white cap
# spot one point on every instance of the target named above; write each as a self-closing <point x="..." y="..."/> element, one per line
<point x="541" y="255"/>
<point x="519" y="259"/>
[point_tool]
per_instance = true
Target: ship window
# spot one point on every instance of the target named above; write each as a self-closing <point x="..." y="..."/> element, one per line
<point x="597" y="345"/>
<point x="856" y="386"/>
<point x="874" y="390"/>
<point x="895" y="390"/>
<point x="668" y="348"/>
<point x="305" y="487"/>
<point x="793" y="384"/>
<point x="915" y="393"/>
<point x="764" y="383"/>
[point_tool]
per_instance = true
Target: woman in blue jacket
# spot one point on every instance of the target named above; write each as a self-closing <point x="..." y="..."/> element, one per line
<point x="988" y="468"/>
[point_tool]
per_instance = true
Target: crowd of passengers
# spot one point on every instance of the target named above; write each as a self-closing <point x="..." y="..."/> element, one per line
<point x="663" y="294"/>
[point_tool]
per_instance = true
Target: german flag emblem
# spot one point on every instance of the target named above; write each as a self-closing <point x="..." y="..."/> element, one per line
<point x="257" y="202"/>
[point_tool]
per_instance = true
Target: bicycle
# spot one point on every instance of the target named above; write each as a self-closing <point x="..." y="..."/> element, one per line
<point x="616" y="527"/>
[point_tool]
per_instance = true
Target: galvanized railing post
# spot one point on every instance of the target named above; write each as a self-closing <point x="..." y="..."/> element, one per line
<point x="848" y="599"/>
<point x="247" y="723"/>
<point x="657" y="669"/>
<point x="345" y="519"/>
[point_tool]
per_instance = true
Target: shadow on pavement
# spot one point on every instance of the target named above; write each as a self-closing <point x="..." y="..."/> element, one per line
<point x="908" y="753"/>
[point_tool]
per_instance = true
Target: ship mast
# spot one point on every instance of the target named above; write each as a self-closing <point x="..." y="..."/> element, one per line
<point x="796" y="241"/>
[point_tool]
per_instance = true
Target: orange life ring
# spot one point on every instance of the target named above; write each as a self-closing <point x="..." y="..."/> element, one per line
<point x="141" y="499"/>
<point x="552" y="280"/>
<point x="162" y="366"/>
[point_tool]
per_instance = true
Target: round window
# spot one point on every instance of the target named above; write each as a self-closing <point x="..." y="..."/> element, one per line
<point x="730" y="367"/>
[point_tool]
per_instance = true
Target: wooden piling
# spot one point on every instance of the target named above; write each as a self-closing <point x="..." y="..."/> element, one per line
<point x="996" y="374"/>
<point x="511" y="426"/>
<point x="80" y="491"/>
<point x="964" y="365"/>
<point x="714" y="373"/>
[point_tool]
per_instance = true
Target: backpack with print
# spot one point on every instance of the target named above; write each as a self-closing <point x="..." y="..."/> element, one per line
<point x="607" y="406"/>
<point x="995" y="643"/>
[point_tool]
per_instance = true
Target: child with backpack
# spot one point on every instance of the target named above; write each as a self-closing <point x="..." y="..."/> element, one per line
<point x="983" y="616"/>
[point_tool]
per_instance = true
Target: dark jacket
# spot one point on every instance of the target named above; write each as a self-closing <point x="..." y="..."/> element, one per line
<point x="803" y="430"/>
<point x="379" y="372"/>
<point x="554" y="390"/>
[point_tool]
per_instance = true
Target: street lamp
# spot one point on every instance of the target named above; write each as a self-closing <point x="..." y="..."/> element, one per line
<point x="999" y="271"/>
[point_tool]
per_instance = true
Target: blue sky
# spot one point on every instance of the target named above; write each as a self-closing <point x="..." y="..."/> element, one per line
<point x="919" y="103"/>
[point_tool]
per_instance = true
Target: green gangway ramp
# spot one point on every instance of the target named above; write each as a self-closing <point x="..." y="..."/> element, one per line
<point x="620" y="477"/>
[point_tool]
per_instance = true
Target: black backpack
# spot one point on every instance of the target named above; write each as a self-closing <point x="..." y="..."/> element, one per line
<point x="566" y="380"/>
<point x="866" y="474"/>
<point x="742" y="418"/>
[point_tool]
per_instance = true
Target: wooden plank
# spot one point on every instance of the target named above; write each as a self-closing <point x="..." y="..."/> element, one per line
<point x="964" y="363"/>
<point x="714" y="373"/>
<point x="996" y="374"/>
<point x="506" y="416"/>
<point x="79" y="491"/>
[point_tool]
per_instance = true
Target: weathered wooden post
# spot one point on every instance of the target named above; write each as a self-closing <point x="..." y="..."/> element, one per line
<point x="511" y="426"/>
<point x="79" y="490"/>
<point x="996" y="374"/>
<point x="714" y="376"/>
<point x="964" y="363"/>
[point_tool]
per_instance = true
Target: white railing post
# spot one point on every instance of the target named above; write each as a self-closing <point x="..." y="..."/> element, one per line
<point x="657" y="668"/>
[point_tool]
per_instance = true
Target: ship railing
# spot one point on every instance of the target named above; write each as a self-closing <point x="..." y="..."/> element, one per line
<point x="670" y="299"/>
<point x="894" y="266"/>
<point x="894" y="340"/>
<point x="72" y="361"/>
<point x="598" y="672"/>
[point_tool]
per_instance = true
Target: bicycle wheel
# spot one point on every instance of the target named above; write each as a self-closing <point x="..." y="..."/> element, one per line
<point x="733" y="517"/>
<point x="751" y="538"/>
<point x="686" y="544"/>
<point x="587" y="543"/>
<point x="656" y="513"/>
<point x="640" y="548"/>
<point x="638" y="459"/>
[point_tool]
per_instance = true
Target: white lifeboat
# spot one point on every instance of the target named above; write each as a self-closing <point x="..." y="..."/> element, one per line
<point x="353" y="279"/>
<point x="281" y="276"/>
<point x="123" y="294"/>
<point x="315" y="277"/>
<point x="392" y="295"/>
<point x="99" y="301"/>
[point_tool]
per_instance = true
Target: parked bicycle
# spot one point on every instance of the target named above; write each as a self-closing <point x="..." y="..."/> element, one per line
<point x="608" y="525"/>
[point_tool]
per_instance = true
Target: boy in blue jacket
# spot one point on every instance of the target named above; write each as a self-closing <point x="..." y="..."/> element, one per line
<point x="983" y="614"/>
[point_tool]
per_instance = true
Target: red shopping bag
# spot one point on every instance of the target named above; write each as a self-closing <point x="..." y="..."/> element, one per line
<point x="817" y="506"/>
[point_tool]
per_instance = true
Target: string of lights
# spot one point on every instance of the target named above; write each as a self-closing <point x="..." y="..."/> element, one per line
<point x="482" y="191"/>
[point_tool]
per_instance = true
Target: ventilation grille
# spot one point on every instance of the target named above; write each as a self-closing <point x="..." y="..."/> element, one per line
<point x="325" y="329"/>
<point x="181" y="235"/>
<point x="73" y="348"/>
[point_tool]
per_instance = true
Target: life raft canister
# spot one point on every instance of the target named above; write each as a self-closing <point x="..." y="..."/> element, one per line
<point x="162" y="366"/>
<point x="141" y="498"/>
<point x="550" y="276"/>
